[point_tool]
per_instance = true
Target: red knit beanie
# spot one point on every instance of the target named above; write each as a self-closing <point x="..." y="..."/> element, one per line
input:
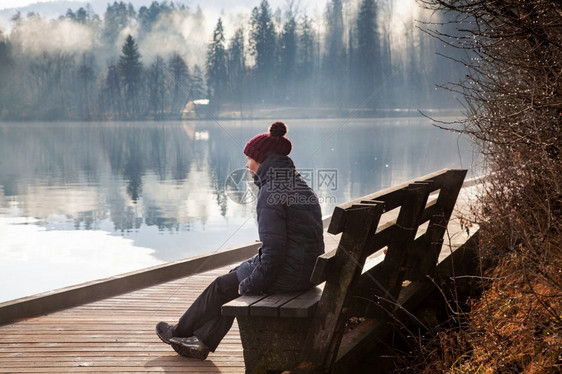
<point x="272" y="143"/>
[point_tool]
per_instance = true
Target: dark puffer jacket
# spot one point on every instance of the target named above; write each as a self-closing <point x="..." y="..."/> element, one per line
<point x="290" y="229"/>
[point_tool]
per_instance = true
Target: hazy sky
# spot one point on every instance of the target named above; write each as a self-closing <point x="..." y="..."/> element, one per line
<point x="211" y="8"/>
<point x="214" y="3"/>
<point x="17" y="3"/>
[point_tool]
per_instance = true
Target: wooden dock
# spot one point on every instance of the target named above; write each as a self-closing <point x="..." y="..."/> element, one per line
<point x="116" y="334"/>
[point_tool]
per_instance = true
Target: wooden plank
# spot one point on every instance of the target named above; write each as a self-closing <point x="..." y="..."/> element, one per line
<point x="269" y="306"/>
<point x="423" y="256"/>
<point x="327" y="326"/>
<point x="241" y="305"/>
<point x="324" y="266"/>
<point x="272" y="343"/>
<point x="393" y="266"/>
<point x="360" y="341"/>
<point x="392" y="197"/>
<point x="373" y="333"/>
<point x="106" y="336"/>
<point x="338" y="217"/>
<point x="386" y="230"/>
<point x="117" y="285"/>
<point x="302" y="306"/>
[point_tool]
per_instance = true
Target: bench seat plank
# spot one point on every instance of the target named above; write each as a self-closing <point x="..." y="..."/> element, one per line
<point x="269" y="306"/>
<point x="302" y="306"/>
<point x="240" y="306"/>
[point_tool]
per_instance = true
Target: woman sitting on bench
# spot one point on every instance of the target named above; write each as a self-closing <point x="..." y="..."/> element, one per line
<point x="291" y="233"/>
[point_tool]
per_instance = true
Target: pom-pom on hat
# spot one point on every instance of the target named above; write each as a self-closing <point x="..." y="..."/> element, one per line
<point x="273" y="143"/>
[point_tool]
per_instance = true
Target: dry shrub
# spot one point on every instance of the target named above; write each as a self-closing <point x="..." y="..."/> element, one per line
<point x="514" y="328"/>
<point x="513" y="94"/>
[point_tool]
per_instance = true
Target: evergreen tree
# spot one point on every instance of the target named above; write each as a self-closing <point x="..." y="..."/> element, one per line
<point x="83" y="16"/>
<point x="262" y="48"/>
<point x="237" y="67"/>
<point x="130" y="70"/>
<point x="368" y="53"/>
<point x="198" y="89"/>
<point x="334" y="59"/>
<point x="148" y="16"/>
<point x="350" y="68"/>
<point x="306" y="71"/>
<point x="179" y="76"/>
<point x="111" y="95"/>
<point x="157" y="87"/>
<point x="6" y="64"/>
<point x="216" y="63"/>
<point x="387" y="90"/>
<point x="287" y="59"/>
<point x="86" y="83"/>
<point x="116" y="18"/>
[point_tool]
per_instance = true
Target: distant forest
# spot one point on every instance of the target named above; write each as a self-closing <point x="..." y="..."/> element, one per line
<point x="155" y="62"/>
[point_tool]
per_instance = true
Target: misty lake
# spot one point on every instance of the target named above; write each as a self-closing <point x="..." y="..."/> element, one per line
<point x="84" y="201"/>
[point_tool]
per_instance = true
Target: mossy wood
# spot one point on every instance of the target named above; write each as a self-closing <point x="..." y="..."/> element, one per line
<point x="281" y="331"/>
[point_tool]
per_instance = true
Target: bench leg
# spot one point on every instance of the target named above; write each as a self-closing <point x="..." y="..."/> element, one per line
<point x="272" y="343"/>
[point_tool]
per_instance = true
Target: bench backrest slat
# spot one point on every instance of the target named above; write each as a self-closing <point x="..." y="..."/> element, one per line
<point x="437" y="211"/>
<point x="392" y="196"/>
<point x="423" y="259"/>
<point x="327" y="325"/>
<point x="342" y="270"/>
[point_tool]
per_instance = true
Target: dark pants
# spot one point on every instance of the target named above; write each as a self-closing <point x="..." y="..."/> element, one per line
<point x="203" y="318"/>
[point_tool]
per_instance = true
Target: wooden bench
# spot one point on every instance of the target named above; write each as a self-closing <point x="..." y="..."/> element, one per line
<point x="281" y="331"/>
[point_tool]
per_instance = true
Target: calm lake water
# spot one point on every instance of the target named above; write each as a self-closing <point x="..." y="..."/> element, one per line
<point x="83" y="201"/>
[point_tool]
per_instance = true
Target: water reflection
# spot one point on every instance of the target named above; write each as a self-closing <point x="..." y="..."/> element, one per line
<point x="165" y="174"/>
<point x="161" y="185"/>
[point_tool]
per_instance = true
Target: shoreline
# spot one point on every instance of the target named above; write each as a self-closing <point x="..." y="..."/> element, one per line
<point x="285" y="113"/>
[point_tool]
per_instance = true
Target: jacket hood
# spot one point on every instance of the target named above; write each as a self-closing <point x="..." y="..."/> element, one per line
<point x="263" y="173"/>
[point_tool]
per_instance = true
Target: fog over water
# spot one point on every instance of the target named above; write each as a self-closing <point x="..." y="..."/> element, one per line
<point x="83" y="201"/>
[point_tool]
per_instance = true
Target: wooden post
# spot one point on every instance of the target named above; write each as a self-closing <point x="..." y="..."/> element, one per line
<point x="394" y="264"/>
<point x="326" y="330"/>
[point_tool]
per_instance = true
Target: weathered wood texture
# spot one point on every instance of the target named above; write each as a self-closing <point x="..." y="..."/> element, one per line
<point x="326" y="329"/>
<point x="115" y="335"/>
<point x="403" y="258"/>
<point x="275" y="346"/>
